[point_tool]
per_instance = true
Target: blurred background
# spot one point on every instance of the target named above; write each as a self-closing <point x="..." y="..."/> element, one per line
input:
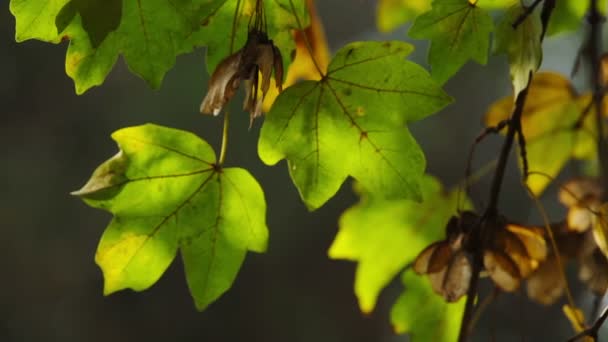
<point x="51" y="140"/>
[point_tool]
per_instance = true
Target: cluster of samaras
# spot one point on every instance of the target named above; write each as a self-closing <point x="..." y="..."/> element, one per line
<point x="258" y="56"/>
<point x="511" y="253"/>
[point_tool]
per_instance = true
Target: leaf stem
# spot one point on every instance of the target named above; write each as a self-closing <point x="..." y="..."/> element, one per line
<point x="224" y="138"/>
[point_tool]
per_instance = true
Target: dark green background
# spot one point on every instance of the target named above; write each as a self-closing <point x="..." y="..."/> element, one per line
<point x="51" y="140"/>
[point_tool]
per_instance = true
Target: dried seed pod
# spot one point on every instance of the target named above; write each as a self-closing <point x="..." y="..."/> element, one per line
<point x="502" y="269"/>
<point x="594" y="272"/>
<point x="546" y="285"/>
<point x="426" y="262"/>
<point x="257" y="59"/>
<point x="582" y="196"/>
<point x="452" y="282"/>
<point x="532" y="239"/>
<point x="223" y="84"/>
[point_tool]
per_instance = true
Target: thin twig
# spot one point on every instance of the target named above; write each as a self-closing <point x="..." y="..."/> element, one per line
<point x="514" y="126"/>
<point x="525" y="14"/>
<point x="487" y="131"/>
<point x="594" y="330"/>
<point x="521" y="140"/>
<point x="481" y="233"/>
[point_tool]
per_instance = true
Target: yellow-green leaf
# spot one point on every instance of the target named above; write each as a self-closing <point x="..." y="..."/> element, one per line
<point x="384" y="236"/>
<point x="459" y="30"/>
<point x="166" y="193"/>
<point x="425" y="315"/>
<point x="353" y="122"/>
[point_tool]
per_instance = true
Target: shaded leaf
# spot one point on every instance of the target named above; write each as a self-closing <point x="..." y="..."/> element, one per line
<point x="391" y="14"/>
<point x="148" y="34"/>
<point x="351" y="122"/>
<point x="425" y="315"/>
<point x="522" y="45"/>
<point x="384" y="236"/>
<point x="459" y="30"/>
<point x="167" y="194"/>
<point x="549" y="123"/>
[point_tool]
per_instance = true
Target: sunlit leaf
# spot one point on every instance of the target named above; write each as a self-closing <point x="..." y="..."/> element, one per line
<point x="384" y="236"/>
<point x="166" y="193"/>
<point x="458" y="30"/>
<point x="391" y="14"/>
<point x="149" y="35"/>
<point x="425" y="315"/>
<point x="352" y="122"/>
<point x="522" y="45"/>
<point x="495" y="4"/>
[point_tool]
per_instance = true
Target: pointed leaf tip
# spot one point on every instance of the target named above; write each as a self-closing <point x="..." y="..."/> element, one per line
<point x="109" y="174"/>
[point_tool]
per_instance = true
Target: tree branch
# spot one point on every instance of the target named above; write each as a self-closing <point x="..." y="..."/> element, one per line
<point x="481" y="234"/>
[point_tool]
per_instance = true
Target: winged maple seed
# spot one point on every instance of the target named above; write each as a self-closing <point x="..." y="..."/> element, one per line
<point x="512" y="254"/>
<point x="258" y="56"/>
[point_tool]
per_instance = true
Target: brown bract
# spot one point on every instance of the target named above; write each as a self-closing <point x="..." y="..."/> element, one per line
<point x="258" y="58"/>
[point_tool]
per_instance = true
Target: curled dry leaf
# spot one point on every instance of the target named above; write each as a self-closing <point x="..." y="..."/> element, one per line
<point x="258" y="57"/>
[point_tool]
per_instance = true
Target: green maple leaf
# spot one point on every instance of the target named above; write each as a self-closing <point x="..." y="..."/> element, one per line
<point x="459" y="30"/>
<point x="149" y="34"/>
<point x="384" y="236"/>
<point x="568" y="15"/>
<point x="352" y="122"/>
<point x="391" y="14"/>
<point x="522" y="45"/>
<point x="425" y="315"/>
<point x="167" y="193"/>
